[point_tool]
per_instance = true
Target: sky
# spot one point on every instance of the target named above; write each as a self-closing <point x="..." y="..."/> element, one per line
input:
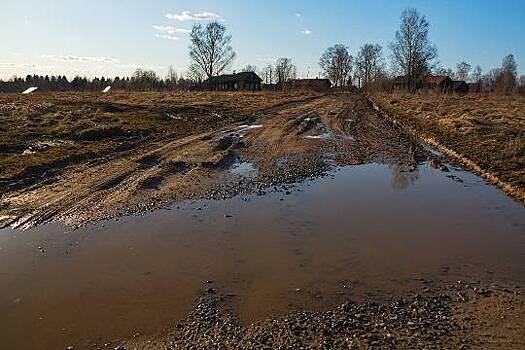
<point x="114" y="37"/>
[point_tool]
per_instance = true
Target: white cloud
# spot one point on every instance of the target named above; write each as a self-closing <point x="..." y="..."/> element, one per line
<point x="188" y="16"/>
<point x="170" y="29"/>
<point x="306" y="31"/>
<point x="8" y="65"/>
<point x="298" y="15"/>
<point x="71" y="58"/>
<point x="167" y="36"/>
<point x="169" y="32"/>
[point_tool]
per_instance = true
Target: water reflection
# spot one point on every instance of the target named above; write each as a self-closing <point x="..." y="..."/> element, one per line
<point x="402" y="177"/>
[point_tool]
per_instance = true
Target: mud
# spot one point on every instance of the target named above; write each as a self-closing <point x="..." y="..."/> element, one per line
<point x="367" y="233"/>
<point x="486" y="133"/>
<point x="128" y="175"/>
<point x="288" y="221"/>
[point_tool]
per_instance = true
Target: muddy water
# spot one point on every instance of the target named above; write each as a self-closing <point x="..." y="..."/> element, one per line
<point x="368" y="231"/>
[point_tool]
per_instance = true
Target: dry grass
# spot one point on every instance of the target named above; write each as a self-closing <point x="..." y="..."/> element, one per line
<point x="489" y="130"/>
<point x="52" y="126"/>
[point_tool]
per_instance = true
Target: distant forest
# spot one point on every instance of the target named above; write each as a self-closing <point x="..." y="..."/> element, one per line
<point x="142" y="80"/>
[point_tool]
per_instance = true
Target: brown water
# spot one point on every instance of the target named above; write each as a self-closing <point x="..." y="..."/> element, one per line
<point x="364" y="232"/>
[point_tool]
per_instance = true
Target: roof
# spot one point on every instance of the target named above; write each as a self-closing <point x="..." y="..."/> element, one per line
<point x="313" y="81"/>
<point x="243" y="76"/>
<point x="436" y="79"/>
<point x="400" y="79"/>
<point x="454" y="84"/>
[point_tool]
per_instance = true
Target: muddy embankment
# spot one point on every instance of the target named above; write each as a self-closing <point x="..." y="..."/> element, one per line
<point x="484" y="133"/>
<point x="176" y="152"/>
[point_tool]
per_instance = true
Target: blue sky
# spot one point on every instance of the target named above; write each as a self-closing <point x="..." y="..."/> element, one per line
<point x="113" y="37"/>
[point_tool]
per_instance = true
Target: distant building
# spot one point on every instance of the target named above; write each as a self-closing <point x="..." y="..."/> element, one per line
<point x="475" y="87"/>
<point x="437" y="82"/>
<point x="459" y="87"/>
<point x="400" y="83"/>
<point x="247" y="81"/>
<point x="441" y="83"/>
<point x="318" y="85"/>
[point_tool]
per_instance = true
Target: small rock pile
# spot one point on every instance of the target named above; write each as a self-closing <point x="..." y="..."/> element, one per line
<point x="419" y="322"/>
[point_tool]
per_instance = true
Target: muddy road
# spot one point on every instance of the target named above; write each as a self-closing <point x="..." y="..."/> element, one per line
<point x="281" y="220"/>
<point x="284" y="143"/>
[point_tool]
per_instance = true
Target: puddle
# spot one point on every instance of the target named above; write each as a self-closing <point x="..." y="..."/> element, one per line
<point x="244" y="168"/>
<point x="242" y="130"/>
<point x="366" y="232"/>
<point x="322" y="136"/>
<point x="249" y="127"/>
<point x="237" y="165"/>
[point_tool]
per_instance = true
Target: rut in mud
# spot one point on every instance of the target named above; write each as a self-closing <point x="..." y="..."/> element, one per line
<point x="281" y="144"/>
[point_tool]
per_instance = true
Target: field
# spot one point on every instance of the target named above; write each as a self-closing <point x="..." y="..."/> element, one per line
<point x="260" y="220"/>
<point x="487" y="129"/>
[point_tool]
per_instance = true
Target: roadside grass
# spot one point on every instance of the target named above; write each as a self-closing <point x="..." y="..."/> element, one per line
<point x="488" y="129"/>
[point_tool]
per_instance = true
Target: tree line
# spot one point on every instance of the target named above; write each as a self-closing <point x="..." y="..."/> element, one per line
<point x="412" y="55"/>
<point x="141" y="80"/>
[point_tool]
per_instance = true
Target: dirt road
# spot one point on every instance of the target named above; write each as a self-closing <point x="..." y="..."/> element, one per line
<point x="215" y="154"/>
<point x="275" y="266"/>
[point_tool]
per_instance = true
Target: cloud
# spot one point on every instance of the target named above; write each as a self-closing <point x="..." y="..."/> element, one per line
<point x="306" y="31"/>
<point x="169" y="32"/>
<point x="71" y="58"/>
<point x="7" y="65"/>
<point x="298" y="15"/>
<point x="170" y="29"/>
<point x="167" y="36"/>
<point x="188" y="16"/>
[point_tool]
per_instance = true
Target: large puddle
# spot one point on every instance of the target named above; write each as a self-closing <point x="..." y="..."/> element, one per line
<point x="368" y="231"/>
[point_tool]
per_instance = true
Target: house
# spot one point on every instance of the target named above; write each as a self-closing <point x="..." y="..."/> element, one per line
<point x="458" y="86"/>
<point x="400" y="83"/>
<point x="475" y="87"/>
<point x="440" y="83"/>
<point x="437" y="82"/>
<point x="248" y="81"/>
<point x="318" y="85"/>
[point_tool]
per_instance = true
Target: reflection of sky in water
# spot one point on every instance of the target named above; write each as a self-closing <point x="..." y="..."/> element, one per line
<point x="373" y="224"/>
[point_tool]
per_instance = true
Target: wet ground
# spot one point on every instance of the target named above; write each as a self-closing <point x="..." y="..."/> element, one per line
<point x="367" y="232"/>
<point x="288" y="203"/>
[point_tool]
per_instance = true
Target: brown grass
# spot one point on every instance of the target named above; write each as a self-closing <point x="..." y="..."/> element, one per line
<point x="488" y="132"/>
<point x="92" y="122"/>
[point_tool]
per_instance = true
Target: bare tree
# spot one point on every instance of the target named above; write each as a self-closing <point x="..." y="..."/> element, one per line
<point x="488" y="80"/>
<point x="172" y="77"/>
<point x="462" y="70"/>
<point x="249" y="68"/>
<point x="507" y="79"/>
<point x="476" y="74"/>
<point x="267" y="74"/>
<point x="144" y="80"/>
<point x="412" y="51"/>
<point x="369" y="63"/>
<point x="336" y="64"/>
<point x="210" y="49"/>
<point x="195" y="74"/>
<point x="521" y="84"/>
<point x="284" y="71"/>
